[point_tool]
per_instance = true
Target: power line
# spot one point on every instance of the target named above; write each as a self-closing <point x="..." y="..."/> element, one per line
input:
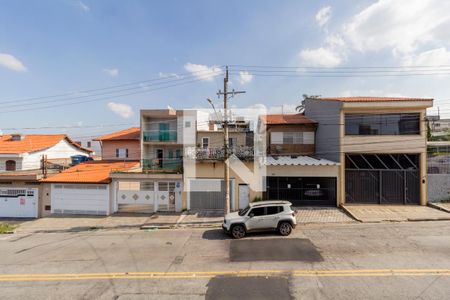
<point x="196" y="73"/>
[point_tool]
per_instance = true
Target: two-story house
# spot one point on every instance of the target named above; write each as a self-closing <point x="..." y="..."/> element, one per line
<point x="121" y="145"/>
<point x="293" y="170"/>
<point x="380" y="143"/>
<point x="205" y="175"/>
<point x="24" y="160"/>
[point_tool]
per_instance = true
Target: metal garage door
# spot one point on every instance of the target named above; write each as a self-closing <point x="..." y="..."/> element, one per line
<point x="302" y="191"/>
<point x="18" y="203"/>
<point x="208" y="193"/>
<point x="83" y="199"/>
<point x="382" y="178"/>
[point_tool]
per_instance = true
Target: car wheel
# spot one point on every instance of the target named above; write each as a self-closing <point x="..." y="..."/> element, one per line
<point x="238" y="231"/>
<point x="285" y="228"/>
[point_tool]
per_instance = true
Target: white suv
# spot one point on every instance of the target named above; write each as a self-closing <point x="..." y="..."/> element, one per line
<point x="261" y="216"/>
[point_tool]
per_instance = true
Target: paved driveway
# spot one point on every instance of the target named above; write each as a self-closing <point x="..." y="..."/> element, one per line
<point x="394" y="213"/>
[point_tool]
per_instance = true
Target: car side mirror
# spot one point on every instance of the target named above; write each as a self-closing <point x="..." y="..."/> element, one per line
<point x="251" y="215"/>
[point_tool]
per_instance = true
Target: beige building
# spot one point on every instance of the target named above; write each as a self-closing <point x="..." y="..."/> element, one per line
<point x="121" y="145"/>
<point x="204" y="167"/>
<point x="380" y="143"/>
<point x="293" y="170"/>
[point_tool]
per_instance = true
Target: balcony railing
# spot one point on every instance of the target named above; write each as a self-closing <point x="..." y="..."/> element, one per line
<point x="160" y="136"/>
<point x="242" y="152"/>
<point x="162" y="164"/>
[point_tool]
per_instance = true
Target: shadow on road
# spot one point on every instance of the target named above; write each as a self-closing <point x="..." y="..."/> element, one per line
<point x="248" y="288"/>
<point x="215" y="234"/>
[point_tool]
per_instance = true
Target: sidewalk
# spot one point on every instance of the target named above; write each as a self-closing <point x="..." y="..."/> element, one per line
<point x="69" y="223"/>
<point x="204" y="218"/>
<point x="394" y="213"/>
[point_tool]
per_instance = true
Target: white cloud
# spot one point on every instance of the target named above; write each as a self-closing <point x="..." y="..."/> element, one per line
<point x="324" y="57"/>
<point x="438" y="56"/>
<point x="323" y="16"/>
<point x="111" y="72"/>
<point x="371" y="92"/>
<point x="412" y="30"/>
<point x="12" y="63"/>
<point x="245" y="77"/>
<point x="169" y="75"/>
<point x="203" y="72"/>
<point x="83" y="6"/>
<point x="400" y="25"/>
<point x="121" y="109"/>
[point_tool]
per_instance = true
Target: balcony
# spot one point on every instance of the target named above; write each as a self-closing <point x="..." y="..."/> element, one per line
<point x="164" y="164"/>
<point x="160" y="136"/>
<point x="241" y="152"/>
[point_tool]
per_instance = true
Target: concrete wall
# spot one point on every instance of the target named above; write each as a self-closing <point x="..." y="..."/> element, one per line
<point x="215" y="171"/>
<point x="109" y="149"/>
<point x="438" y="187"/>
<point x="327" y="114"/>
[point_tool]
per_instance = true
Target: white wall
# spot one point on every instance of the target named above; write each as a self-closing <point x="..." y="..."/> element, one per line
<point x="63" y="149"/>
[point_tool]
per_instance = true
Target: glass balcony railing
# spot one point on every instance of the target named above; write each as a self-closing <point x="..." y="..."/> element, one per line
<point x="160" y="136"/>
<point x="164" y="164"/>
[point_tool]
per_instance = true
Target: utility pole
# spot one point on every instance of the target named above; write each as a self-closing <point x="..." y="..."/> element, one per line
<point x="44" y="166"/>
<point x="226" y="172"/>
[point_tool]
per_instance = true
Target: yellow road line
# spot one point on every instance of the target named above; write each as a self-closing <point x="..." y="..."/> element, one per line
<point x="240" y="273"/>
<point x="233" y="272"/>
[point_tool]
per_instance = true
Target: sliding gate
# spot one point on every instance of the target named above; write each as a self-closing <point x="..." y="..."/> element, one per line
<point x="382" y="178"/>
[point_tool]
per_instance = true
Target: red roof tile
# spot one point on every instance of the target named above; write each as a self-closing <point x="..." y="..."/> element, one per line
<point x="279" y="119"/>
<point x="91" y="172"/>
<point x="33" y="143"/>
<point x="133" y="133"/>
<point x="372" y="99"/>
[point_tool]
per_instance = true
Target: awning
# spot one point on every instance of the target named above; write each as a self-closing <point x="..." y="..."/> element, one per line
<point x="297" y="161"/>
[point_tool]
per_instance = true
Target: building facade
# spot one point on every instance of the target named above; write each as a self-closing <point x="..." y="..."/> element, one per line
<point x="294" y="171"/>
<point x="380" y="144"/>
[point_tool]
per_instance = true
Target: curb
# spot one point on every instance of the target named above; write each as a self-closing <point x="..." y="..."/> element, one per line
<point x="179" y="226"/>
<point x="435" y="206"/>
<point x="350" y="214"/>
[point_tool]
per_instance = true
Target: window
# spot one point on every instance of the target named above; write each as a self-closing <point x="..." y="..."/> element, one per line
<point x="147" y="186"/>
<point x="259" y="211"/>
<point x="382" y="124"/>
<point x="10" y="165"/>
<point x="292" y="138"/>
<point x="273" y="210"/>
<point x="121" y="153"/>
<point x="205" y="142"/>
<point x="163" y="186"/>
<point x="187" y="124"/>
<point x="232" y="142"/>
<point x="89" y="144"/>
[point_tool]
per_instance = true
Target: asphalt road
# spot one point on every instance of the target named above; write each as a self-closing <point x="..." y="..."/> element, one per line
<point x="333" y="261"/>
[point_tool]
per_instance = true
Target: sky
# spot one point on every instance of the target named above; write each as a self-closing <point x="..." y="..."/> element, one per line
<point x="86" y="68"/>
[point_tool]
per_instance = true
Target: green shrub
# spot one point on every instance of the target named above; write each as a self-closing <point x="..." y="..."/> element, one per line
<point x="6" y="228"/>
